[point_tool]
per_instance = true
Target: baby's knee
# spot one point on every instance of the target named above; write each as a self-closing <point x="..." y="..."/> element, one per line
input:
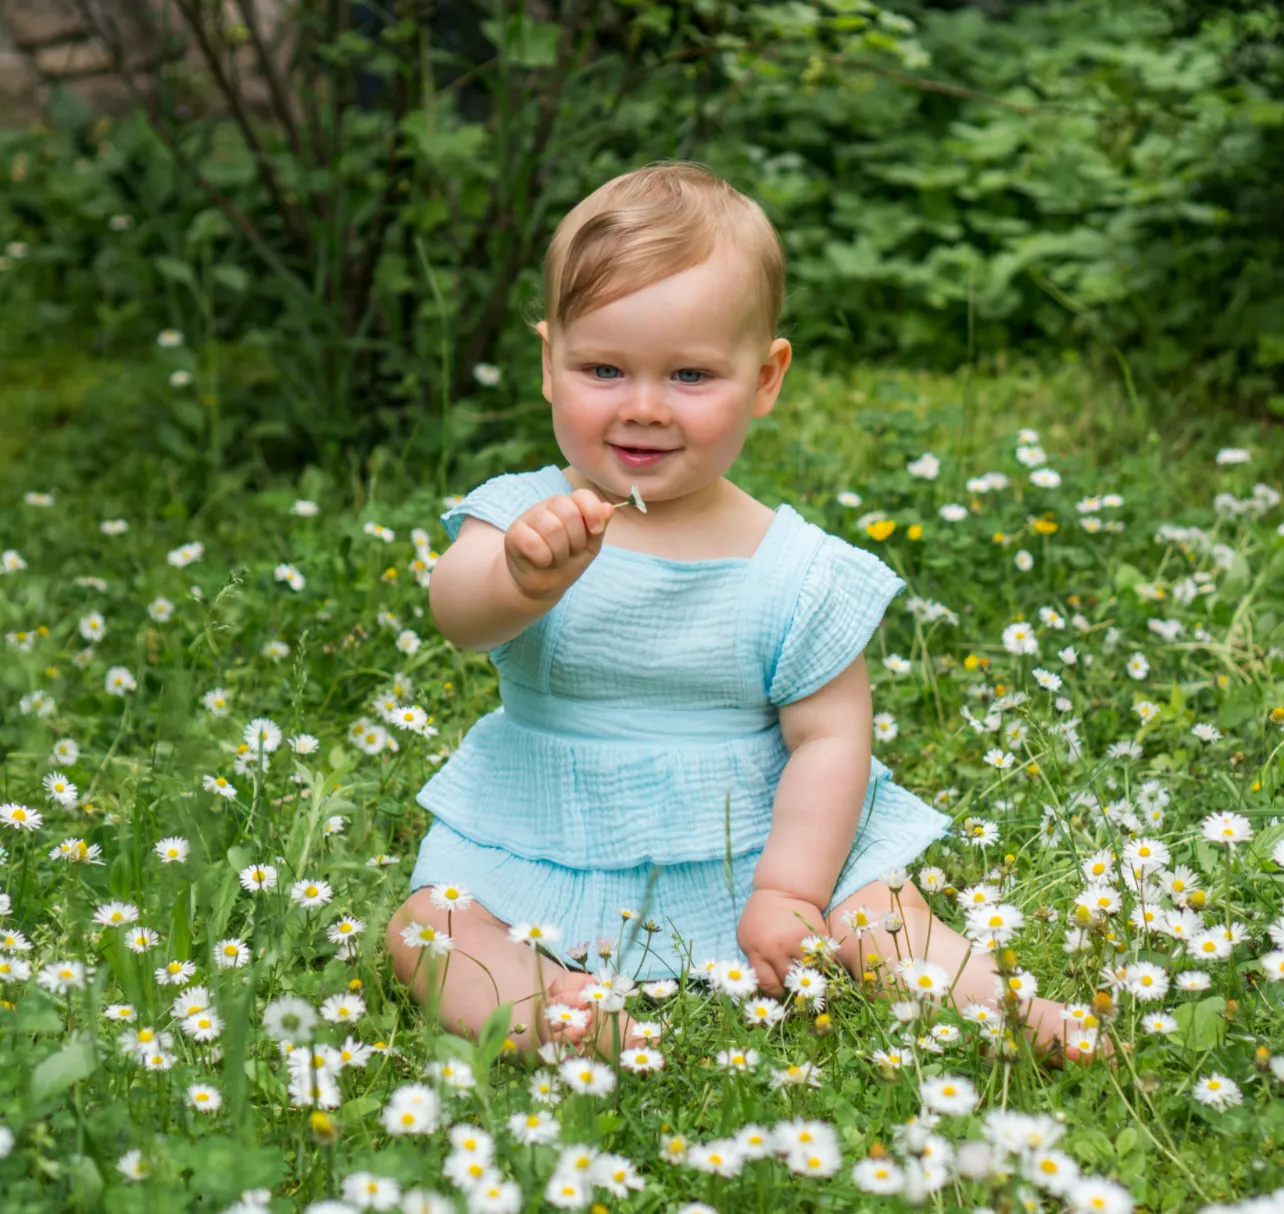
<point x="416" y="910"/>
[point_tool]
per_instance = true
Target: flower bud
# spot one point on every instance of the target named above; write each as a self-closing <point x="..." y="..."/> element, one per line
<point x="323" y="1126"/>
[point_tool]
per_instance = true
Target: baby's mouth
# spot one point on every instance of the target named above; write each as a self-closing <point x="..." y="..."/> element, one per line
<point x="641" y="457"/>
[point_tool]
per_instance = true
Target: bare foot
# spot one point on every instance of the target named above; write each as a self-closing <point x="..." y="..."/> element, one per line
<point x="594" y="1035"/>
<point x="1056" y="1039"/>
<point x="567" y="991"/>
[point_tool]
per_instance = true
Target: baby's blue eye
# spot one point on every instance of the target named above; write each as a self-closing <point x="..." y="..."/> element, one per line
<point x="593" y="370"/>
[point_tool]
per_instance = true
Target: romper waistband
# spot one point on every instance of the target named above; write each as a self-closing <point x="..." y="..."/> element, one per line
<point x="589" y="719"/>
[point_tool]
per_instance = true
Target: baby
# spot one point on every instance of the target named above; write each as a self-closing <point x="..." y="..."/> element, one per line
<point x="682" y="760"/>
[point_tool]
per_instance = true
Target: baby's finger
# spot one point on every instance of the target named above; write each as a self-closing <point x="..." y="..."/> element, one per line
<point x="768" y="980"/>
<point x="531" y="544"/>
<point x="570" y="521"/>
<point x="605" y="515"/>
<point x="593" y="510"/>
<point x="558" y="534"/>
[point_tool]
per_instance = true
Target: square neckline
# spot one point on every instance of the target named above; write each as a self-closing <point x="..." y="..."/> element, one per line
<point x="778" y="513"/>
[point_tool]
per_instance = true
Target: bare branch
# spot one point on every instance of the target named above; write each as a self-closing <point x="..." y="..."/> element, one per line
<point x="267" y="65"/>
<point x="191" y="13"/>
<point x="106" y="30"/>
<point x="951" y="90"/>
<point x="304" y="63"/>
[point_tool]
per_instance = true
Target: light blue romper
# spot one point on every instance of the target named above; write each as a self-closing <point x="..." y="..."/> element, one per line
<point x="635" y="760"/>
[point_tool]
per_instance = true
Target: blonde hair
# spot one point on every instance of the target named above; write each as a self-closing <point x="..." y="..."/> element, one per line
<point x="654" y="222"/>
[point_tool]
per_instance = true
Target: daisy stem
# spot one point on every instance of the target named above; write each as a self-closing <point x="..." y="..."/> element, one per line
<point x="959" y="972"/>
<point x="900" y="910"/>
<point x="537" y="1010"/>
<point x="445" y="969"/>
<point x="615" y="1058"/>
<point x="1226" y="890"/>
<point x="1142" y="1122"/>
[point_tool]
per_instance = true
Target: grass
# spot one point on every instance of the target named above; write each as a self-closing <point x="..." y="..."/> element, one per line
<point x="77" y="1104"/>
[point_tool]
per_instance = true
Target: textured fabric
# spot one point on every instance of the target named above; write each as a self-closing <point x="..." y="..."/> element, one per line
<point x="639" y="731"/>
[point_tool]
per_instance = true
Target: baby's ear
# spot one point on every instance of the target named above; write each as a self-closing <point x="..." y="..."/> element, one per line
<point x="547" y="359"/>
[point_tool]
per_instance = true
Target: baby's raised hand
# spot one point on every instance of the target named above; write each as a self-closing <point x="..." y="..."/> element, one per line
<point x="551" y="545"/>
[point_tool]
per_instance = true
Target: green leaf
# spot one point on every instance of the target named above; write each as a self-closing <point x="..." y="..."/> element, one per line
<point x="1202" y="1023"/>
<point x="450" y="1046"/>
<point x="176" y="271"/>
<point x="223" y="1168"/>
<point x="36" y="1014"/>
<point x="1127" y="576"/>
<point x="359" y="1108"/>
<point x="190" y="414"/>
<point x="524" y="42"/>
<point x="493" y="1033"/>
<point x="206" y="226"/>
<point x="239" y="1013"/>
<point x="86" y="1182"/>
<point x="605" y="1123"/>
<point x="232" y="277"/>
<point x="1242" y="706"/>
<point x="181" y="940"/>
<point x="74" y="1062"/>
<point x="1265" y="843"/>
<point x="459" y="150"/>
<point x="225" y="897"/>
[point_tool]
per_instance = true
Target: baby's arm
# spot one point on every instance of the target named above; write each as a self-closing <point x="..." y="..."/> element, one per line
<point x="817" y="810"/>
<point x="490" y="585"/>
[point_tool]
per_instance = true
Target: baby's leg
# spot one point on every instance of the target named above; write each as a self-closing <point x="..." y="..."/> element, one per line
<point x="469" y="994"/>
<point x="925" y="937"/>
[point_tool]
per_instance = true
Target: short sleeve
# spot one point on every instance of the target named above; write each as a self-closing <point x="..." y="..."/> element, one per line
<point x="502" y="499"/>
<point x="843" y="596"/>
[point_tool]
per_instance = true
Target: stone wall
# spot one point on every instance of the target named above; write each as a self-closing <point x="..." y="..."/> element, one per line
<point x="47" y="43"/>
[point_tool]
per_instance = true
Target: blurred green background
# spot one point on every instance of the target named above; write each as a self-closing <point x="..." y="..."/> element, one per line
<point x="343" y="220"/>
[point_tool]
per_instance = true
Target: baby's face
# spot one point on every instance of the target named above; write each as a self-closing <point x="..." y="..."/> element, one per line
<point x="675" y="367"/>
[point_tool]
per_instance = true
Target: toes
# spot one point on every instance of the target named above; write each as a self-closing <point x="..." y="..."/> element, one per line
<point x="569" y="989"/>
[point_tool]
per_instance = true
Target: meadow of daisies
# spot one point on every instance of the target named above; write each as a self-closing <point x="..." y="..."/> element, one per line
<point x="214" y="724"/>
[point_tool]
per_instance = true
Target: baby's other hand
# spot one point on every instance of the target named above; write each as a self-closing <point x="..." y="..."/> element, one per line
<point x="772" y="928"/>
<point x="551" y="545"/>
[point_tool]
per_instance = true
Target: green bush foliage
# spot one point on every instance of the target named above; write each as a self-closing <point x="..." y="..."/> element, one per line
<point x="1087" y="174"/>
